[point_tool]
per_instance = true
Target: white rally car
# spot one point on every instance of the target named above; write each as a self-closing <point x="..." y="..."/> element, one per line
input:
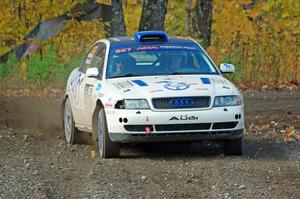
<point x="152" y="87"/>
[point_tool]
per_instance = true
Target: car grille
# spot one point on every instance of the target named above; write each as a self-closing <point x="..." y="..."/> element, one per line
<point x="169" y="127"/>
<point x="181" y="102"/>
<point x="182" y="127"/>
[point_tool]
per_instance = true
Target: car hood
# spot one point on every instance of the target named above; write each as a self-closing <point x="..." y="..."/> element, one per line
<point x="172" y="86"/>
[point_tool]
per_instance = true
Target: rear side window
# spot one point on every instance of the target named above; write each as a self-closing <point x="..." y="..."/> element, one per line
<point x="94" y="58"/>
<point x="99" y="57"/>
<point x="87" y="61"/>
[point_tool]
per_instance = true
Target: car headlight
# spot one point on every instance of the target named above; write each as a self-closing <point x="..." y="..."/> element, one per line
<point x="133" y="104"/>
<point x="230" y="100"/>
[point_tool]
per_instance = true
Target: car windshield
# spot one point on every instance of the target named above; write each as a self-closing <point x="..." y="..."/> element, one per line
<point x="158" y="60"/>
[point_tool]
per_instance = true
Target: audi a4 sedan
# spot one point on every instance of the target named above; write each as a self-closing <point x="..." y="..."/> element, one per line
<point x="152" y="87"/>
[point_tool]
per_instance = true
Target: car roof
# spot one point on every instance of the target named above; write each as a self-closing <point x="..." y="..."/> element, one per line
<point x="117" y="41"/>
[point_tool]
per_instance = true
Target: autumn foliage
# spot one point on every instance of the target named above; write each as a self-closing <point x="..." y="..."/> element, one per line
<point x="261" y="38"/>
<point x="262" y="41"/>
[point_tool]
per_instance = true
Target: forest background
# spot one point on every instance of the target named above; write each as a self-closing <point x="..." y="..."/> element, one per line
<point x="260" y="37"/>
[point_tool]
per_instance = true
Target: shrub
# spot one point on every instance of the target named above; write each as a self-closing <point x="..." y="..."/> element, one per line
<point x="7" y="68"/>
<point x="43" y="69"/>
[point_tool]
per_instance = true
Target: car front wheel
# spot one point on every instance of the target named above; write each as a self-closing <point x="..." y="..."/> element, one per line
<point x="107" y="148"/>
<point x="71" y="132"/>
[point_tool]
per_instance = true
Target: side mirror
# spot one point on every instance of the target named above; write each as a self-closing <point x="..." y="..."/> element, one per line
<point x="92" y="72"/>
<point x="226" y="68"/>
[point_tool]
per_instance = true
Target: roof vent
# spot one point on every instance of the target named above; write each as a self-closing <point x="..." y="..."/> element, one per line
<point x="145" y="36"/>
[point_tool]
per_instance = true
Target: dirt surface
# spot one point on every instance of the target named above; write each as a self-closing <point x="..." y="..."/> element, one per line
<point x="36" y="162"/>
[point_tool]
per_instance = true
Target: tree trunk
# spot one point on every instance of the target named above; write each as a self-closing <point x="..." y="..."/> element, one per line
<point x="117" y="20"/>
<point x="204" y="20"/>
<point x="153" y="15"/>
<point x="188" y="16"/>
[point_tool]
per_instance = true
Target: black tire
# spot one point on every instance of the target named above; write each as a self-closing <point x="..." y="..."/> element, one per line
<point x="70" y="131"/>
<point x="233" y="147"/>
<point x="107" y="148"/>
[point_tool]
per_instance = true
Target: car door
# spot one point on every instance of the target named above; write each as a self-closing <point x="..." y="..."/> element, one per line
<point x="88" y="85"/>
<point x="81" y="76"/>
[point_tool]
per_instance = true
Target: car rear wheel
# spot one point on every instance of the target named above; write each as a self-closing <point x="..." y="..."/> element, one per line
<point x="233" y="147"/>
<point x="107" y="148"/>
<point x="71" y="132"/>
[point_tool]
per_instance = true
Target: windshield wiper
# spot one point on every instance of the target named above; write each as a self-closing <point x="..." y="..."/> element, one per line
<point x="182" y="73"/>
<point x="126" y="75"/>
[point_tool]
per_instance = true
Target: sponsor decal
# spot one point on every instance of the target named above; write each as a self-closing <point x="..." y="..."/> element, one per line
<point x="176" y="86"/>
<point x="205" y="80"/>
<point x="229" y="67"/>
<point x="98" y="87"/>
<point x="122" y="50"/>
<point x="88" y="89"/>
<point x="127" y="90"/>
<point x="108" y="105"/>
<point x="123" y="85"/>
<point x="100" y="95"/>
<point x="139" y="82"/>
<point x="184" y="117"/>
<point x="178" y="47"/>
<point x="147" y="48"/>
<point x="219" y="81"/>
<point x="133" y="48"/>
<point x="181" y="102"/>
<point x="226" y="87"/>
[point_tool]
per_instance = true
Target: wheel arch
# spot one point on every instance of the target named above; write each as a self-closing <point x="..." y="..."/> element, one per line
<point x="99" y="105"/>
<point x="62" y="109"/>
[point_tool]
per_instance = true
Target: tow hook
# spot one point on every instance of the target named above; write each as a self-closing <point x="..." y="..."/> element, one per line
<point x="148" y="130"/>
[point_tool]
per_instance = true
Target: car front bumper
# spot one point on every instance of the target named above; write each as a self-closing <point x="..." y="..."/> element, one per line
<point x="177" y="136"/>
<point x="153" y="126"/>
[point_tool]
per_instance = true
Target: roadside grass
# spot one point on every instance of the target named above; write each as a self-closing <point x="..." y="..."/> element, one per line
<point x="7" y="68"/>
<point x="39" y="71"/>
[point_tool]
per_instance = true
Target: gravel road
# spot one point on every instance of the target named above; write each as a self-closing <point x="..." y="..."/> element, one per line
<point x="36" y="162"/>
